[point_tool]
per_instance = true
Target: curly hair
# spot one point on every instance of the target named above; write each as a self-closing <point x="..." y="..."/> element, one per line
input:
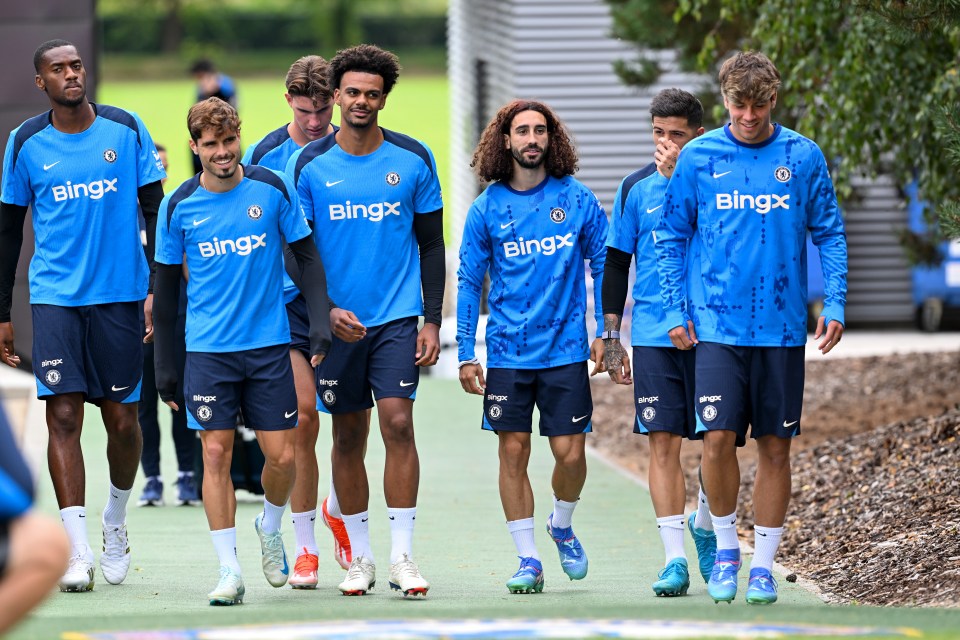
<point x="492" y="160"/>
<point x="366" y="58"/>
<point x="212" y="113"/>
<point x="309" y="77"/>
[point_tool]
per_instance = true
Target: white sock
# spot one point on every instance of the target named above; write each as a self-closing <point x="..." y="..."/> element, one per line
<point x="333" y="504"/>
<point x="562" y="513"/>
<point x="671" y="533"/>
<point x="401" y="532"/>
<point x="272" y="516"/>
<point x="703" y="521"/>
<point x="358" y="530"/>
<point x="765" y="544"/>
<point x="726" y="530"/>
<point x="115" y="513"/>
<point x="522" y="532"/>
<point x="225" y="542"/>
<point x="303" y="531"/>
<point x="75" y="522"/>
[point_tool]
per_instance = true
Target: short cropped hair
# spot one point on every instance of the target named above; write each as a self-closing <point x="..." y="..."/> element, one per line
<point x="749" y="75"/>
<point x="309" y="77"/>
<point x="366" y="58"/>
<point x="47" y="46"/>
<point x="493" y="161"/>
<point x="677" y="103"/>
<point x="212" y="113"/>
<point x="203" y="65"/>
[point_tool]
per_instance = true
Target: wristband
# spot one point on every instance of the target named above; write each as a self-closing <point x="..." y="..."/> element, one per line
<point x="610" y="335"/>
<point x="466" y="362"/>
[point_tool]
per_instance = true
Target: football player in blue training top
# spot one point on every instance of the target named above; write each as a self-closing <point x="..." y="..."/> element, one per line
<point x="531" y="230"/>
<point x="33" y="548"/>
<point x="230" y="221"/>
<point x="744" y="197"/>
<point x="664" y="375"/>
<point x="311" y="99"/>
<point x="82" y="168"/>
<point x="374" y="198"/>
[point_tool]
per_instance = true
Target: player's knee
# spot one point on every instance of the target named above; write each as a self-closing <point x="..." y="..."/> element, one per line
<point x="283" y="458"/>
<point x="398" y="429"/>
<point x="514" y="451"/>
<point x="308" y="423"/>
<point x="775" y="458"/>
<point x="216" y="456"/>
<point x="64" y="420"/>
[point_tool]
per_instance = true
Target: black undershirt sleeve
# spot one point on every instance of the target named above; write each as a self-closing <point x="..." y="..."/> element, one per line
<point x="307" y="272"/>
<point x="616" y="274"/>
<point x="11" y="241"/>
<point x="166" y="302"/>
<point x="150" y="196"/>
<point x="428" y="227"/>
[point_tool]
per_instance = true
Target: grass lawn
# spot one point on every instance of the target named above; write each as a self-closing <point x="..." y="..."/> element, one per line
<point x="418" y="107"/>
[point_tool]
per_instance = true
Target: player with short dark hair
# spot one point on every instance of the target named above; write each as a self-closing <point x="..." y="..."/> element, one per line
<point x="743" y="197"/>
<point x="229" y="223"/>
<point x="82" y="168"/>
<point x="531" y="230"/>
<point x="664" y="376"/>
<point x="374" y="198"/>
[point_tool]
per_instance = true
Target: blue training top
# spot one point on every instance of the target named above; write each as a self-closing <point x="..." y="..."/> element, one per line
<point x="16" y="483"/>
<point x="233" y="243"/>
<point x="363" y="209"/>
<point x="82" y="188"/>
<point x="746" y="208"/>
<point x="534" y="244"/>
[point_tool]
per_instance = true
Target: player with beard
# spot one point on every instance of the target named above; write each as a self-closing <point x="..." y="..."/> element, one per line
<point x="82" y="168"/>
<point x="531" y="230"/>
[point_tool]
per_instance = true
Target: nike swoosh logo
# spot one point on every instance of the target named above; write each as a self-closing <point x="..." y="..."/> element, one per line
<point x="332" y="184"/>
<point x="720" y="175"/>
<point x="579" y="419"/>
<point x="787" y="425"/>
<point x="406" y="384"/>
<point x="197" y="223"/>
<point x="47" y="167"/>
<point x="364" y="519"/>
<point x="116" y="388"/>
<point x="393" y="518"/>
<point x="504" y="226"/>
<point x="654" y="209"/>
<point x="290" y="415"/>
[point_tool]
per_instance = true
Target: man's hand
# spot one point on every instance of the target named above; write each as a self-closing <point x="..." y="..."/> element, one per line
<point x="171" y="404"/>
<point x="317" y="359"/>
<point x="666" y="156"/>
<point x="472" y="380"/>
<point x="148" y="319"/>
<point x="428" y="345"/>
<point x="684" y="338"/>
<point x="616" y="362"/>
<point x="596" y="356"/>
<point x="346" y="326"/>
<point x="7" y="354"/>
<point x="831" y="337"/>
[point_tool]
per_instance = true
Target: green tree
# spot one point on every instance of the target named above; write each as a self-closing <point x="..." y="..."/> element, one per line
<point x="874" y="82"/>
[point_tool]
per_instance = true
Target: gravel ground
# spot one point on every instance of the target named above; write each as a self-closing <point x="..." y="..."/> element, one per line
<point x="875" y="513"/>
